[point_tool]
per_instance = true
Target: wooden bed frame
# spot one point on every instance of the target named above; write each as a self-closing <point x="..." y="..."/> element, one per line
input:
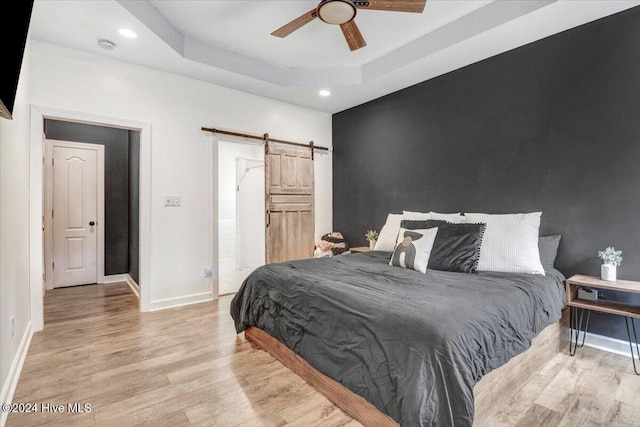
<point x="490" y="393"/>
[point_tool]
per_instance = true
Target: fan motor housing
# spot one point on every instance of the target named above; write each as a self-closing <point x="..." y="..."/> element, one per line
<point x="337" y="12"/>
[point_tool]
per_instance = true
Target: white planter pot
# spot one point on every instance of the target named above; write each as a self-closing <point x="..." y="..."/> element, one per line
<point x="608" y="272"/>
<point x="372" y="244"/>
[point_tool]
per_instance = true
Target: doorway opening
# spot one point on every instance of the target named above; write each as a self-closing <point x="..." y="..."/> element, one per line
<point x="241" y="220"/>
<point x="91" y="205"/>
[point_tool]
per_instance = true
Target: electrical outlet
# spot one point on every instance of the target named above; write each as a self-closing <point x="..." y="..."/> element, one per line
<point x="12" y="325"/>
<point x="208" y="272"/>
<point x="172" y="201"/>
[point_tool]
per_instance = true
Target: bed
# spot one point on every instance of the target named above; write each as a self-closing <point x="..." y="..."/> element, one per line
<point x="413" y="345"/>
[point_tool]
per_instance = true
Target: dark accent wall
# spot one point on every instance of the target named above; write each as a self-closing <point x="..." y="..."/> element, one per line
<point x="116" y="144"/>
<point x="553" y="126"/>
<point x="134" y="205"/>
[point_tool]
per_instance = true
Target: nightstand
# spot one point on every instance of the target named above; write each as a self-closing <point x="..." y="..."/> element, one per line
<point x="360" y="249"/>
<point x="629" y="311"/>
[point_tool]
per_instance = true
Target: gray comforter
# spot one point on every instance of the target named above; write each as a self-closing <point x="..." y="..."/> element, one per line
<point x="412" y="344"/>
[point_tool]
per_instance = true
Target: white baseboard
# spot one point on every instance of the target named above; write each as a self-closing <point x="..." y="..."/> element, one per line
<point x="133" y="285"/>
<point x="612" y="345"/>
<point x="180" y="301"/>
<point x="118" y="278"/>
<point x="115" y="278"/>
<point x="9" y="386"/>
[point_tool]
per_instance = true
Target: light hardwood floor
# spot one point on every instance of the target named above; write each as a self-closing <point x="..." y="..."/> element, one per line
<point x="186" y="366"/>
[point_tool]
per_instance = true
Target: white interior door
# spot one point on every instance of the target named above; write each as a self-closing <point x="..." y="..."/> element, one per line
<point x="75" y="215"/>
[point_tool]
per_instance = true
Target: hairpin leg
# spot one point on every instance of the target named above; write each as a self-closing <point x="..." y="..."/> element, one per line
<point x="586" y="326"/>
<point x="576" y="328"/>
<point x="573" y="325"/>
<point x="635" y="337"/>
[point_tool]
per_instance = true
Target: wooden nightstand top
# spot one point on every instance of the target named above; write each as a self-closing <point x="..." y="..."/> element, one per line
<point x="360" y="249"/>
<point x="595" y="282"/>
<point x="602" y="305"/>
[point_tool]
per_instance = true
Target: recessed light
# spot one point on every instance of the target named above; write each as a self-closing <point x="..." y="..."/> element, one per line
<point x="130" y="34"/>
<point x="324" y="92"/>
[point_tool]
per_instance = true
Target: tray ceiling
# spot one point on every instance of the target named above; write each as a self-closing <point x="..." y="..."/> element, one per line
<point x="229" y="42"/>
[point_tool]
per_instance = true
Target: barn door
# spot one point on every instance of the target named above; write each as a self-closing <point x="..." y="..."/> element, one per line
<point x="289" y="197"/>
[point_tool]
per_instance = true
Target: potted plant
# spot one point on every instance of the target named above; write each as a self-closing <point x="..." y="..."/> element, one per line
<point x="610" y="260"/>
<point x="372" y="237"/>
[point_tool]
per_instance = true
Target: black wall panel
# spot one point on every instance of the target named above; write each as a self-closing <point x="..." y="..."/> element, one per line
<point x="553" y="126"/>
<point x="134" y="205"/>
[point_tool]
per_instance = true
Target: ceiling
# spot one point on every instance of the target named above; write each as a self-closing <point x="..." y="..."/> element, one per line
<point x="229" y="42"/>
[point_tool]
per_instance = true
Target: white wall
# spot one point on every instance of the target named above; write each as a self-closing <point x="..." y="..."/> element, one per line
<point x="250" y="213"/>
<point x="14" y="235"/>
<point x="177" y="107"/>
<point x="228" y="155"/>
<point x="228" y="152"/>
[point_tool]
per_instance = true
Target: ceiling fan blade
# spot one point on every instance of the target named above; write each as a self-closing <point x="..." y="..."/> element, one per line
<point x="352" y="35"/>
<point x="413" y="6"/>
<point x="300" y="21"/>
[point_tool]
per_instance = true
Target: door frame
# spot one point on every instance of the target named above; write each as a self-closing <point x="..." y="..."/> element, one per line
<point x="50" y="144"/>
<point x="36" y="190"/>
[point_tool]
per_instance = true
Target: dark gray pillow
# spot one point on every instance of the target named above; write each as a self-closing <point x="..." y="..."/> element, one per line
<point x="548" y="247"/>
<point x="457" y="246"/>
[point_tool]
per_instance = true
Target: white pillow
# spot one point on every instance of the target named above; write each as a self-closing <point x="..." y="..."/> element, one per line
<point x="389" y="233"/>
<point x="416" y="215"/>
<point x="510" y="242"/>
<point x="455" y="218"/>
<point x="413" y="249"/>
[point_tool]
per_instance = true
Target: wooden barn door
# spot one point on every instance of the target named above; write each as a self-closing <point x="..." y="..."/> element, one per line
<point x="290" y="224"/>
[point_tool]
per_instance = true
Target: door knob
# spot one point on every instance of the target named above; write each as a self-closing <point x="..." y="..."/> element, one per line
<point x="91" y="223"/>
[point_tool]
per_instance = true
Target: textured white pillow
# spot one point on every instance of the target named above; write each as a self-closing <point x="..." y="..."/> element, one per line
<point x="510" y="242"/>
<point x="455" y="218"/>
<point x="389" y="233"/>
<point x="419" y="216"/>
<point x="413" y="249"/>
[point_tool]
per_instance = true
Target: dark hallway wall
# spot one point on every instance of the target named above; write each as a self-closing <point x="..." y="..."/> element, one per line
<point x="134" y="205"/>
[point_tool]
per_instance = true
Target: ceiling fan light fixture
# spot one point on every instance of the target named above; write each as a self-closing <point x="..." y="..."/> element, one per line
<point x="336" y="12"/>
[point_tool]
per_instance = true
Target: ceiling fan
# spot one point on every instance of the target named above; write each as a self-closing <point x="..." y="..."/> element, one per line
<point x="342" y="12"/>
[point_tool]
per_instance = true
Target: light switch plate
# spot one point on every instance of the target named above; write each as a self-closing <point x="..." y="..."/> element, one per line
<point x="172" y="201"/>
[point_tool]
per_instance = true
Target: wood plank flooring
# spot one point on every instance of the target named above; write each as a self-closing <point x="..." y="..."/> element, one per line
<point x="186" y="366"/>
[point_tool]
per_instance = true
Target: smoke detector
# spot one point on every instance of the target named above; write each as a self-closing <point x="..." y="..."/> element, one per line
<point x="106" y="44"/>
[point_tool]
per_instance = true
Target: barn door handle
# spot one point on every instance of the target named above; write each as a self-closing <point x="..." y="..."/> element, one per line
<point x="92" y="223"/>
<point x="268" y="217"/>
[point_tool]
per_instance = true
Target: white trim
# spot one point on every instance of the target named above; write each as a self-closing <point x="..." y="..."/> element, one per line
<point x="213" y="209"/>
<point x="133" y="285"/>
<point x="36" y="210"/>
<point x="50" y="144"/>
<point x="119" y="278"/>
<point x="180" y="301"/>
<point x="115" y="278"/>
<point x="612" y="345"/>
<point x="47" y="220"/>
<point x="38" y="114"/>
<point x="14" y="372"/>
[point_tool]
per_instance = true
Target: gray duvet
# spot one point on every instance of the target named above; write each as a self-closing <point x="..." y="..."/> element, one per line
<point x="412" y="344"/>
